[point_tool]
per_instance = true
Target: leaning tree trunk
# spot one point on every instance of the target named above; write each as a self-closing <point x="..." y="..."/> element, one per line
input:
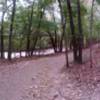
<point x="52" y="41"/>
<point x="11" y="30"/>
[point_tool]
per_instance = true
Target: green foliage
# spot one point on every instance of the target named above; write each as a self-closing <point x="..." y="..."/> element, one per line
<point x="21" y="21"/>
<point x="98" y="1"/>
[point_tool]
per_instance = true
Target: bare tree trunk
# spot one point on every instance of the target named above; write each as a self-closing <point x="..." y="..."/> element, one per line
<point x="62" y="22"/>
<point x="80" y="37"/>
<point x="34" y="45"/>
<point x="74" y="43"/>
<point x="11" y="30"/>
<point x="22" y="38"/>
<point x="37" y="32"/>
<point x="66" y="43"/>
<point x="91" y="30"/>
<point x="2" y="37"/>
<point x="29" y="30"/>
<point x="52" y="41"/>
<point x="56" y="37"/>
<point x="2" y="30"/>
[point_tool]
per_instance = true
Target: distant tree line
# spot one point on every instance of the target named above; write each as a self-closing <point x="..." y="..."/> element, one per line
<point x="37" y="25"/>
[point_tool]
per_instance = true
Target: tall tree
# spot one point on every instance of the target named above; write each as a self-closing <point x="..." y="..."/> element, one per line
<point x="2" y="29"/>
<point x="72" y="28"/>
<point x="29" y="29"/>
<point x="41" y="13"/>
<point x="91" y="30"/>
<point x="80" y="35"/>
<point x="63" y="25"/>
<point x="11" y="30"/>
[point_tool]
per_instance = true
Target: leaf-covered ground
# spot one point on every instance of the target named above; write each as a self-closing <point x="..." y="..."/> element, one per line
<point x="48" y="79"/>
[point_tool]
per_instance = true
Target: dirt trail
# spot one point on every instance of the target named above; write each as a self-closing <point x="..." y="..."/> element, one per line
<point x="47" y="79"/>
<point x="17" y="81"/>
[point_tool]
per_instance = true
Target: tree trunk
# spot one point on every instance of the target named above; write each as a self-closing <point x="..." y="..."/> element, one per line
<point x="29" y="31"/>
<point x="80" y="37"/>
<point x="2" y="37"/>
<point x="72" y="27"/>
<point x="56" y="37"/>
<point x="11" y="30"/>
<point x="2" y="30"/>
<point x="91" y="29"/>
<point x="52" y="41"/>
<point x="34" y="45"/>
<point x="37" y="32"/>
<point x="62" y="22"/>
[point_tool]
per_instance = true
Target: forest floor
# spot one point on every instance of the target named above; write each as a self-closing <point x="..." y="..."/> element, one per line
<point x="47" y="78"/>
